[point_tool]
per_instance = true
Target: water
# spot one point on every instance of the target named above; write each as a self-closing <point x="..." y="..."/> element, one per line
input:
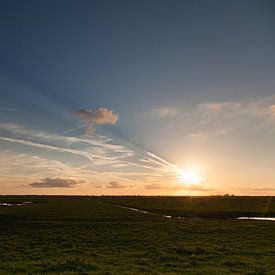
<point x="257" y="218"/>
<point x="137" y="210"/>
<point x="146" y="212"/>
<point x="167" y="216"/>
<point x="15" y="203"/>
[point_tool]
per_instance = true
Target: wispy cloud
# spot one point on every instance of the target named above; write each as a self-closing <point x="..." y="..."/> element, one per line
<point x="261" y="108"/>
<point x="101" y="154"/>
<point x="101" y="159"/>
<point x="164" y="112"/>
<point x="27" y="166"/>
<point x="217" y="107"/>
<point x="48" y="147"/>
<point x="99" y="149"/>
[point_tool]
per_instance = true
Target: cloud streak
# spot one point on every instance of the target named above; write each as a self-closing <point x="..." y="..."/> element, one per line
<point x="48" y="147"/>
<point x="99" y="149"/>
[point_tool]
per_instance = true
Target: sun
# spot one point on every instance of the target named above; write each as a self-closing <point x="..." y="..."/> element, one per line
<point x="190" y="177"/>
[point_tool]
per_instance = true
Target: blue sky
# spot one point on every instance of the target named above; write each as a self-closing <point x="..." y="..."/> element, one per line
<point x="192" y="82"/>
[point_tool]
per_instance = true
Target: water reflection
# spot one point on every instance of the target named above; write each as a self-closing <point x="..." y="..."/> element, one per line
<point x="257" y="218"/>
<point x="15" y="203"/>
<point x="166" y="216"/>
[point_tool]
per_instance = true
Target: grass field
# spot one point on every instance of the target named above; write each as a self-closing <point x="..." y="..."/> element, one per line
<point x="86" y="235"/>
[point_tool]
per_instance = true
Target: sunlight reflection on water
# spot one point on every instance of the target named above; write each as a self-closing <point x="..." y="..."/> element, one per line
<point x="257" y="218"/>
<point x="15" y="203"/>
<point x="146" y="212"/>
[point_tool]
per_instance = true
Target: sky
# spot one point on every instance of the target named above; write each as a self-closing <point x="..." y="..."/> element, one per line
<point x="137" y="97"/>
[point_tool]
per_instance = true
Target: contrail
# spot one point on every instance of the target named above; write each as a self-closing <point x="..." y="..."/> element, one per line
<point x="88" y="156"/>
<point x="8" y="109"/>
<point x="161" y="160"/>
<point x="79" y="127"/>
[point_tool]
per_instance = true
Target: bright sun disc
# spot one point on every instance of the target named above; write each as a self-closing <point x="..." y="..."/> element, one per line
<point x="190" y="177"/>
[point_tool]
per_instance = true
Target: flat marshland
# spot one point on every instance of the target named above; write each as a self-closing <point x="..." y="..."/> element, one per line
<point x="87" y="235"/>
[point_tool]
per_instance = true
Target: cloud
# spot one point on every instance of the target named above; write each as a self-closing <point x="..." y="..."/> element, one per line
<point x="100" y="116"/>
<point x="165" y="112"/>
<point x="272" y="110"/>
<point x="197" y="187"/>
<point x="198" y="136"/>
<point x="212" y="107"/>
<point x="189" y="187"/>
<point x="55" y="182"/>
<point x="116" y="185"/>
<point x="208" y="112"/>
<point x="268" y="188"/>
<point x="98" y="155"/>
<point x="161" y="112"/>
<point x="98" y="186"/>
<point x="25" y="168"/>
<point x="155" y="186"/>
<point x="236" y="114"/>
<point x="11" y="127"/>
<point x="99" y="149"/>
<point x="89" y="131"/>
<point x="49" y="147"/>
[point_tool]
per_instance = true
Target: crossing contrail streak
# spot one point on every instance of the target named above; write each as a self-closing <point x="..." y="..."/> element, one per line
<point x="79" y="127"/>
<point x="8" y="109"/>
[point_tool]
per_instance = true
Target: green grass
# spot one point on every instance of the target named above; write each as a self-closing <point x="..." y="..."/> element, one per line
<point x="81" y="235"/>
<point x="201" y="207"/>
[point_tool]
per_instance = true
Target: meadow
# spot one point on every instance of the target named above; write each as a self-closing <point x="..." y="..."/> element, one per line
<point x="87" y="235"/>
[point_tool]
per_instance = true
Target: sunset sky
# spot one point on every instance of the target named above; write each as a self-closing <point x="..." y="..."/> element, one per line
<point x="137" y="97"/>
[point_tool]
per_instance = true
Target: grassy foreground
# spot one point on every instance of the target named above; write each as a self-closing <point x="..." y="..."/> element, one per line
<point x="86" y="235"/>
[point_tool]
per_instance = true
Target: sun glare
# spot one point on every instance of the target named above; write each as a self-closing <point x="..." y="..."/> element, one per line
<point x="190" y="177"/>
